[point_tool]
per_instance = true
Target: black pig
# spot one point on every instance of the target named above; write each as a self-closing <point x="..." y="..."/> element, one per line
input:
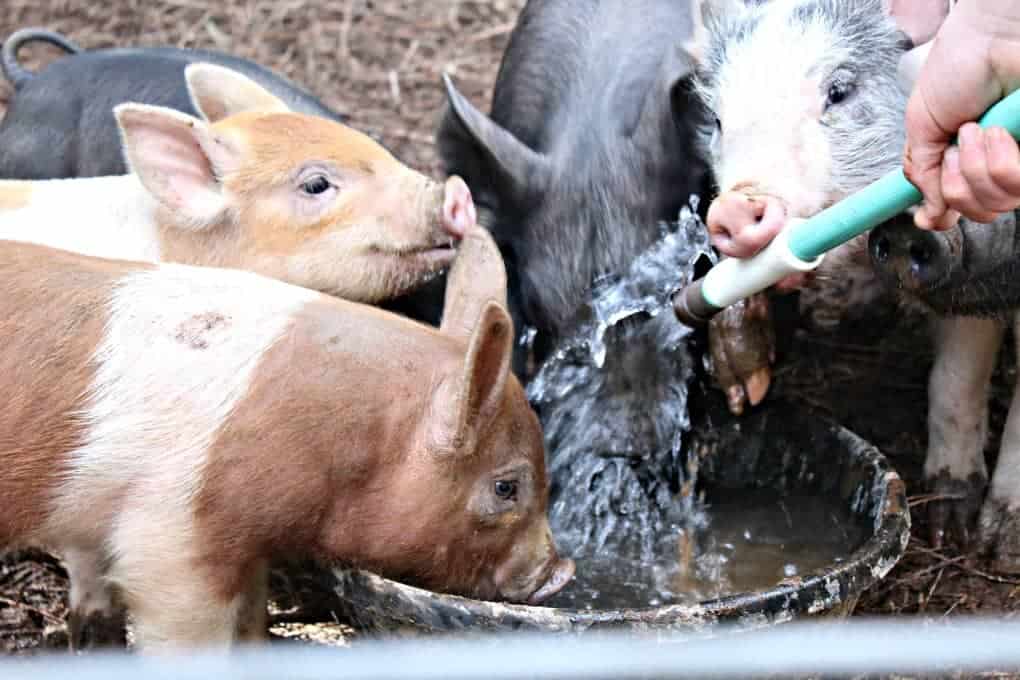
<point x="60" y="123"/>
<point x="588" y="146"/>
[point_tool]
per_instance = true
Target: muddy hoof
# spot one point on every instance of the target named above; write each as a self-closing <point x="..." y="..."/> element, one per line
<point x="97" y="630"/>
<point x="1000" y="535"/>
<point x="741" y="343"/>
<point x="954" y="517"/>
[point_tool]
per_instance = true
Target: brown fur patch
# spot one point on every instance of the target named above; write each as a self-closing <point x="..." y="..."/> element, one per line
<point x="52" y="316"/>
<point x="323" y="423"/>
<point x="14" y="194"/>
<point x="281" y="141"/>
<point x="375" y="187"/>
<point x="364" y="243"/>
<point x="328" y="456"/>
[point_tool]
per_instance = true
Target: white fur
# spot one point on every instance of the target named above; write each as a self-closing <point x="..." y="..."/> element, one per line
<point x="1005" y="484"/>
<point x="110" y="217"/>
<point x="965" y="355"/>
<point x="155" y="407"/>
<point x="785" y="158"/>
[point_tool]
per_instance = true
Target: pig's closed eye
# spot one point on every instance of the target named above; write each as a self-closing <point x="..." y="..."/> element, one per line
<point x="506" y="489"/>
<point x="315" y="185"/>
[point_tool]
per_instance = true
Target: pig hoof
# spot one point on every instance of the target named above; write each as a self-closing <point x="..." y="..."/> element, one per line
<point x="953" y="514"/>
<point x="1000" y="535"/>
<point x="96" y="630"/>
<point x="741" y="345"/>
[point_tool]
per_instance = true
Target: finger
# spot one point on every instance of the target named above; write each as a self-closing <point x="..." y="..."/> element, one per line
<point x="1004" y="163"/>
<point x="958" y="192"/>
<point x="947" y="220"/>
<point x="988" y="196"/>
<point x="922" y="158"/>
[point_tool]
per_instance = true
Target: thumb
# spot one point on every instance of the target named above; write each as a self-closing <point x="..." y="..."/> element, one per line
<point x="926" y="144"/>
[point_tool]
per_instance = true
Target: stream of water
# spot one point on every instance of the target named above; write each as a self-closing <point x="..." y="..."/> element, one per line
<point x="613" y="403"/>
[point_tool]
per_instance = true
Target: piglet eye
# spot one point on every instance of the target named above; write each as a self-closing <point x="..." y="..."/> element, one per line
<point x="838" y="92"/>
<point x="718" y="124"/>
<point x="506" y="489"/>
<point x="315" y="185"/>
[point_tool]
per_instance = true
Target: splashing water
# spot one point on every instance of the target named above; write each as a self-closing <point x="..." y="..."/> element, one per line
<point x="613" y="403"/>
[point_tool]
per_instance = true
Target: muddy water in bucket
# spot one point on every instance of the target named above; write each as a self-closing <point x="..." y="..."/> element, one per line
<point x="613" y="403"/>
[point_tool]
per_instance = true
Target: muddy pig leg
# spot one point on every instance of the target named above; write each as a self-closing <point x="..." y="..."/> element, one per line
<point x="1000" y="515"/>
<point x="965" y="353"/>
<point x="252" y="622"/>
<point x="96" y="618"/>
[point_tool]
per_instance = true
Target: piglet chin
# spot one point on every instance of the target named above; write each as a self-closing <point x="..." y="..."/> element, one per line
<point x="558" y="578"/>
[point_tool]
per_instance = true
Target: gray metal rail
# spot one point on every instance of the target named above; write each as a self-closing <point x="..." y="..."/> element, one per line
<point x="842" y="648"/>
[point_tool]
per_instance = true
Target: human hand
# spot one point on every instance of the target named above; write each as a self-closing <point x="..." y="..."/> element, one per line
<point x="973" y="63"/>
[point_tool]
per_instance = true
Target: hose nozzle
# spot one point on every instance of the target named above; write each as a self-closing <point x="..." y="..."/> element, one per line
<point x="690" y="306"/>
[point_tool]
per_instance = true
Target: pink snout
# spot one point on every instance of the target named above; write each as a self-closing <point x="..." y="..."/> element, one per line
<point x="459" y="213"/>
<point x="559" y="576"/>
<point x="741" y="224"/>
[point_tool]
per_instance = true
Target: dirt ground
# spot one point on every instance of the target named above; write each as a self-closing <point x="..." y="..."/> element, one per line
<point x="380" y="62"/>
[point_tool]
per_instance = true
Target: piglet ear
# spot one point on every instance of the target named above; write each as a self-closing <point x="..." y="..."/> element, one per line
<point x="178" y="159"/>
<point x="464" y="400"/>
<point x="919" y="19"/>
<point x="488" y="361"/>
<point x="705" y="13"/>
<point x="477" y="278"/>
<point x="473" y="145"/>
<point x="218" y="92"/>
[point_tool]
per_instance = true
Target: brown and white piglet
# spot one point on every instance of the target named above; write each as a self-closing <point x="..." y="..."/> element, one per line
<point x="182" y="426"/>
<point x="252" y="186"/>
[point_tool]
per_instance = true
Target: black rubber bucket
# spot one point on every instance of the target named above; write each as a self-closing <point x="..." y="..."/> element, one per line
<point x="782" y="448"/>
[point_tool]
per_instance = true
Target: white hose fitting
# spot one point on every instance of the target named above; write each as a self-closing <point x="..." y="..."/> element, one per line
<point x="732" y="279"/>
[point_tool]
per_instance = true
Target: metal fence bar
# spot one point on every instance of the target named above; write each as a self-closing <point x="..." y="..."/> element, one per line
<point x="852" y="647"/>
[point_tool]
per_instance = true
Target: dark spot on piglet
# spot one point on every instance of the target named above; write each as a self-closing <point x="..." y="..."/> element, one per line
<point x="195" y="330"/>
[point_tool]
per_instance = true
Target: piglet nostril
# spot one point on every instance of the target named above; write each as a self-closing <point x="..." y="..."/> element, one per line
<point x="920" y="254"/>
<point x="881" y="249"/>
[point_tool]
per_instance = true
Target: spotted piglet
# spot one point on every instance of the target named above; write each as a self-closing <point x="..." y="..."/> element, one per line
<point x="181" y="426"/>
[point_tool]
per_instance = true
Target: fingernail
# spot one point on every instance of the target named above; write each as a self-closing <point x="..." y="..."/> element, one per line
<point x="969" y="135"/>
<point x="921" y="218"/>
<point x="998" y="142"/>
<point x="991" y="139"/>
<point x="951" y="160"/>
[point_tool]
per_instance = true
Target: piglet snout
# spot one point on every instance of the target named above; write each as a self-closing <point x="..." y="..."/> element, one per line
<point x="912" y="258"/>
<point x="559" y="576"/>
<point x="459" y="213"/>
<point x="741" y="224"/>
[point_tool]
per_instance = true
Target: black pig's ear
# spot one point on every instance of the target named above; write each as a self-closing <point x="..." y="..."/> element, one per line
<point x="705" y="14"/>
<point x="476" y="147"/>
